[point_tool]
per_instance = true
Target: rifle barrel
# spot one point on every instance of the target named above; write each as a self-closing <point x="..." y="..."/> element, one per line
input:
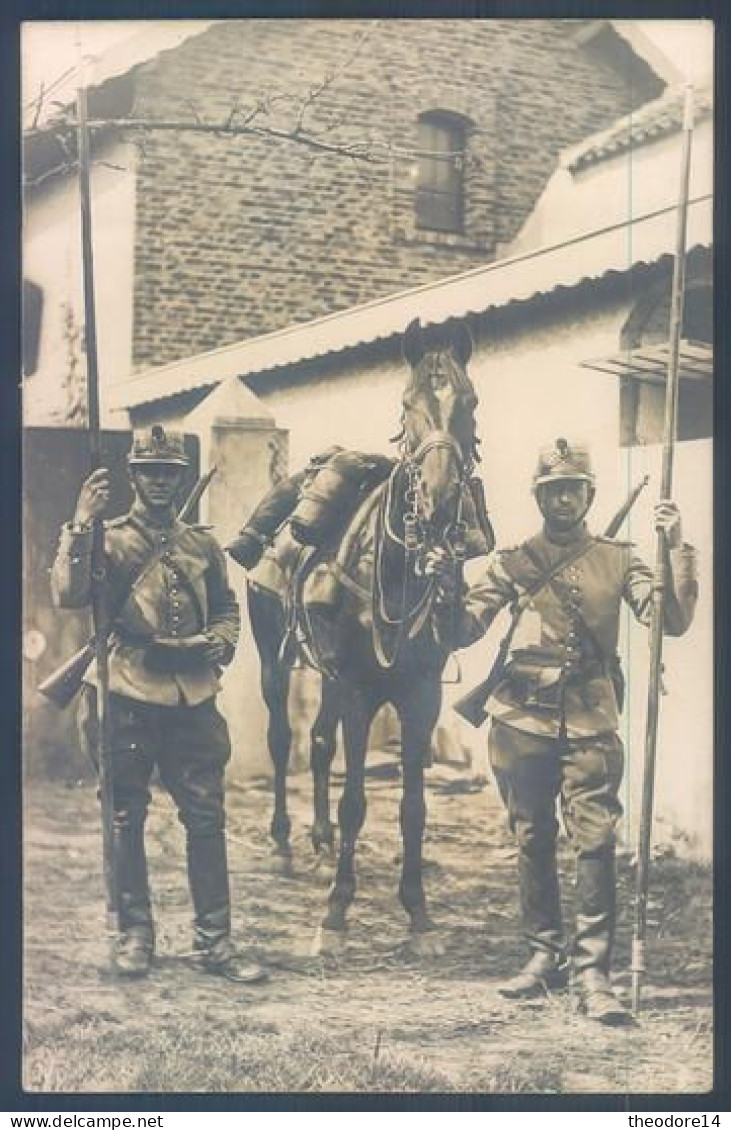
<point x="196" y="494"/>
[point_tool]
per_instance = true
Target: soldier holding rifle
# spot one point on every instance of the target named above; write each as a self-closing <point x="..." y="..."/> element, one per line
<point x="555" y="702"/>
<point x="175" y="624"/>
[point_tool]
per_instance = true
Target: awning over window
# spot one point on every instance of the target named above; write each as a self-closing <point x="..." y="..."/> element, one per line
<point x="650" y="362"/>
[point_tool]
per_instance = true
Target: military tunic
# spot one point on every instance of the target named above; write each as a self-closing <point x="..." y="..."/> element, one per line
<point x="185" y="593"/>
<point x="162" y="717"/>
<point x="555" y="715"/>
<point x="562" y="668"/>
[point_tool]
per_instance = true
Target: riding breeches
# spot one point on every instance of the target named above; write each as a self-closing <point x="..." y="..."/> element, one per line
<point x="533" y="773"/>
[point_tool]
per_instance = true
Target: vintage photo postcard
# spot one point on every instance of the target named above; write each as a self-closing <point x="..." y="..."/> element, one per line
<point x="368" y="607"/>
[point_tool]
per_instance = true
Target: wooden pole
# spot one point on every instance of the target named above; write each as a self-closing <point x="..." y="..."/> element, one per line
<point x="98" y="567"/>
<point x="661" y="567"/>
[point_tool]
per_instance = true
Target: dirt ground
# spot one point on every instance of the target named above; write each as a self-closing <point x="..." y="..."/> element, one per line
<point x="377" y="1019"/>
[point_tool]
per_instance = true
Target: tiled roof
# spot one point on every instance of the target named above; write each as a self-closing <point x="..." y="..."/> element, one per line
<point x="662" y="116"/>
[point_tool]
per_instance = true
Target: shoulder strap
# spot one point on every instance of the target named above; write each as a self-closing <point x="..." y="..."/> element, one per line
<point x="156" y="555"/>
<point x="549" y="579"/>
<point x="541" y="582"/>
<point x="546" y="578"/>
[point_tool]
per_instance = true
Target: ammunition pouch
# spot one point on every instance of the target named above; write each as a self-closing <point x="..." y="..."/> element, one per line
<point x="534" y="684"/>
<point x="170" y="655"/>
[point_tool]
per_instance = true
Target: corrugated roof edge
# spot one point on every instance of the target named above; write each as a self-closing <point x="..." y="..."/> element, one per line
<point x="494" y="285"/>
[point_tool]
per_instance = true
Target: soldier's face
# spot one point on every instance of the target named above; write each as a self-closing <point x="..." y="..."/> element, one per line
<point x="157" y="484"/>
<point x="564" y="503"/>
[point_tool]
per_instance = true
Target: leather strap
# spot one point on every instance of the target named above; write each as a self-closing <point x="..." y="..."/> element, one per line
<point x="538" y="585"/>
<point x="158" y="552"/>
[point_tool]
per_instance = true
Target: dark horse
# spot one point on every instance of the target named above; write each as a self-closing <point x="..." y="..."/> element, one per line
<point x="377" y="642"/>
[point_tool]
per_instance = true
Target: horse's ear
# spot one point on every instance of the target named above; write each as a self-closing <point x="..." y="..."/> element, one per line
<point x="461" y="342"/>
<point x="413" y="343"/>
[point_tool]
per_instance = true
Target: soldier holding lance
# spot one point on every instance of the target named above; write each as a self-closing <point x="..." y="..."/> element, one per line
<point x="555" y="709"/>
<point x="178" y="624"/>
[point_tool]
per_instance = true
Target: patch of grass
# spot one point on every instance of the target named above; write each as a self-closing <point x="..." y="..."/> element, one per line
<point x="516" y="1077"/>
<point x="217" y="1058"/>
<point x="228" y="1059"/>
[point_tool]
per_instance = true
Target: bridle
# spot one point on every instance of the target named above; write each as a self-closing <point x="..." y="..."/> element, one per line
<point x="414" y="608"/>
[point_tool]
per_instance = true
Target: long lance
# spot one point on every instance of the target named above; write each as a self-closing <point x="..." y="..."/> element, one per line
<point x="98" y="567"/>
<point x="661" y="567"/>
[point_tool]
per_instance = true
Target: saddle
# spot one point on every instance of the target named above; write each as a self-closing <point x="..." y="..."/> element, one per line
<point x="324" y="544"/>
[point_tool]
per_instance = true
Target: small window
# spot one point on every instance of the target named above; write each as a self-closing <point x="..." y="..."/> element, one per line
<point x="440" y="178"/>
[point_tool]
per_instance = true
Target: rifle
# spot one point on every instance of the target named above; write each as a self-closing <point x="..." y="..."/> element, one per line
<point x="63" y="684"/>
<point x="472" y="706"/>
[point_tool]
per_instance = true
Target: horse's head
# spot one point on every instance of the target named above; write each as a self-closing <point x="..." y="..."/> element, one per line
<point x="439" y="416"/>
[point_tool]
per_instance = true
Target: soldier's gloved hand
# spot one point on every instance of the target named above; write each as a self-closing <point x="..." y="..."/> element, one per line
<point x="667" y="519"/>
<point x="217" y="651"/>
<point x="93" y="498"/>
<point x="438" y="563"/>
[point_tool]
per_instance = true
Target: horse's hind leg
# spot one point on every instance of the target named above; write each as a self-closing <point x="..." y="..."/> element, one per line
<point x="267" y="623"/>
<point x="322" y="752"/>
<point x="419" y="715"/>
<point x="357" y="717"/>
<point x="275" y="687"/>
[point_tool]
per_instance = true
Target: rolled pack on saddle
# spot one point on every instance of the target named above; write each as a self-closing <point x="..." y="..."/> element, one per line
<point x="318" y="502"/>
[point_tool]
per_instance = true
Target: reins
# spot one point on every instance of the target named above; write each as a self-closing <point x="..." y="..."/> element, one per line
<point x="410" y="618"/>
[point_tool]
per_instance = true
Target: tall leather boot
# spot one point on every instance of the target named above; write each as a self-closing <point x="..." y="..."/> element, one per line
<point x="208" y="879"/>
<point x="595" y="925"/>
<point x="136" y="941"/>
<point x="540" y="903"/>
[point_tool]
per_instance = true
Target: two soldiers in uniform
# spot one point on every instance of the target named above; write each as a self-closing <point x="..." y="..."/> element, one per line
<point x="555" y="713"/>
<point x="176" y="624"/>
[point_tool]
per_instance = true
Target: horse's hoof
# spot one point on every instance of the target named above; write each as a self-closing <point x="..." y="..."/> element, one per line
<point x="329" y="943"/>
<point x="427" y="945"/>
<point x="281" y="861"/>
<point x="323" y="840"/>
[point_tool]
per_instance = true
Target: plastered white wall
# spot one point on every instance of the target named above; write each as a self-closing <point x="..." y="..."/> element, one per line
<point x="52" y="260"/>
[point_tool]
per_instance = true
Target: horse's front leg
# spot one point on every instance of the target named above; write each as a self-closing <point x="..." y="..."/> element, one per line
<point x="418" y="712"/>
<point x="357" y="716"/>
<point x="322" y="752"/>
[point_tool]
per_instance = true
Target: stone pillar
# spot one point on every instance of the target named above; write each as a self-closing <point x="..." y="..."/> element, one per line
<point x="239" y="436"/>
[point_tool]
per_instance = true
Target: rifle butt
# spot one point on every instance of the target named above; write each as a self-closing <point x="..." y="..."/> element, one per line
<point x="471" y="706"/>
<point x="63" y="684"/>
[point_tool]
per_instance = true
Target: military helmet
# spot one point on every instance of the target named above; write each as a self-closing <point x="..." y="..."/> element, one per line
<point x="563" y="461"/>
<point x="156" y="445"/>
